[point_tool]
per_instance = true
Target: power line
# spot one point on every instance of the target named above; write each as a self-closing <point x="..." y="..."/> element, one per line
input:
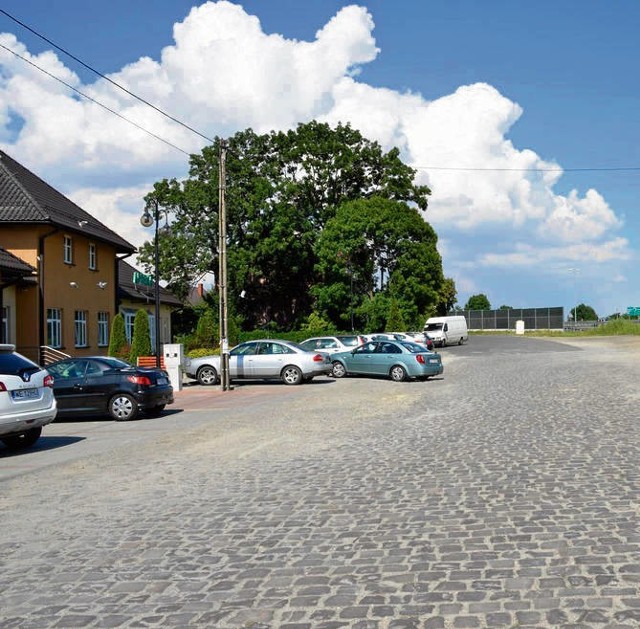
<point x="93" y="100"/>
<point x="106" y="78"/>
<point x="528" y="170"/>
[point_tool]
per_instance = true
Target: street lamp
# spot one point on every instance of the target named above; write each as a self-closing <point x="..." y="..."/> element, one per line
<point x="146" y="220"/>
<point x="574" y="272"/>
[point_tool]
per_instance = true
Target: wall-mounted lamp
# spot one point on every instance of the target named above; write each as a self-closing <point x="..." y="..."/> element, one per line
<point x="73" y="284"/>
<point x="82" y="223"/>
<point x="102" y="285"/>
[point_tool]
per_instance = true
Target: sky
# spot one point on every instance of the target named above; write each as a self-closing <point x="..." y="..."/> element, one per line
<point x="522" y="117"/>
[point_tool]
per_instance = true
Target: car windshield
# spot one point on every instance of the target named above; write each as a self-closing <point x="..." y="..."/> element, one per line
<point x="349" y="341"/>
<point x="414" y="348"/>
<point x="115" y="363"/>
<point x="433" y="326"/>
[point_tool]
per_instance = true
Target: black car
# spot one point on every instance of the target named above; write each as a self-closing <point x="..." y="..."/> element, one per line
<point x="102" y="384"/>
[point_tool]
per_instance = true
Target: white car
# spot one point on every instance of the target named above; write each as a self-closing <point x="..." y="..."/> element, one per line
<point x="264" y="359"/>
<point x="333" y="344"/>
<point x="27" y="402"/>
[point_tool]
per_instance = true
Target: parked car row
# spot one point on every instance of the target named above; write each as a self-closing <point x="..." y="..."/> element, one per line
<point x="390" y="355"/>
<point x="31" y="397"/>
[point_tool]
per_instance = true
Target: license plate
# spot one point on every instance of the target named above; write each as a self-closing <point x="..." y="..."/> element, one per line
<point x="162" y="381"/>
<point x="25" y="394"/>
<point x="434" y="361"/>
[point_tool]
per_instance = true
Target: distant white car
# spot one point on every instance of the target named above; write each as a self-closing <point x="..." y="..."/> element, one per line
<point x="264" y="359"/>
<point x="27" y="402"/>
<point x="333" y="344"/>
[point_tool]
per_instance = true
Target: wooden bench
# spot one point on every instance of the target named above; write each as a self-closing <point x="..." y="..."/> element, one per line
<point x="150" y="361"/>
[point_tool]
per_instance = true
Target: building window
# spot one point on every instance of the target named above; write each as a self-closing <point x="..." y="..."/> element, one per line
<point x="80" y="333"/>
<point x="4" y="325"/>
<point x="68" y="250"/>
<point x="129" y="316"/>
<point x="103" y="329"/>
<point x="152" y="331"/>
<point x="93" y="257"/>
<point x="54" y="327"/>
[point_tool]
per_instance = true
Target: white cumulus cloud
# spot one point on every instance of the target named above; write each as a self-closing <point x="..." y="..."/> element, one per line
<point x="224" y="73"/>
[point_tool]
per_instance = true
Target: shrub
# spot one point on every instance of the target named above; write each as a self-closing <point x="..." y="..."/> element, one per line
<point x="141" y="342"/>
<point x="118" y="345"/>
<point x="203" y="351"/>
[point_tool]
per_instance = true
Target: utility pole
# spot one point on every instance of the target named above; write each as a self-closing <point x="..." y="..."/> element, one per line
<point x="222" y="268"/>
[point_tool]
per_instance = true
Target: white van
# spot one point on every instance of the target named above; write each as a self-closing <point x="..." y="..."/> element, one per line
<point x="447" y="330"/>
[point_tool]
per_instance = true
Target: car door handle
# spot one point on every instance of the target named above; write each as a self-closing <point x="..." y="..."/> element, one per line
<point x="77" y="386"/>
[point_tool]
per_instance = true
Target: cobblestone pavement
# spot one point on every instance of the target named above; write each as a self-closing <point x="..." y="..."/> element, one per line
<point x="503" y="494"/>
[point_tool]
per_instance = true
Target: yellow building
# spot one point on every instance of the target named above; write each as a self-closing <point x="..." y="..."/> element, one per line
<point x="69" y="297"/>
<point x="135" y="291"/>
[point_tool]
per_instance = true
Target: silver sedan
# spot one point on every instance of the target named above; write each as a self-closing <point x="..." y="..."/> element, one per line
<point x="264" y="359"/>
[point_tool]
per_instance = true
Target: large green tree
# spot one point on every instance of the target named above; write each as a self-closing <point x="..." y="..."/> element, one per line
<point x="281" y="190"/>
<point x="372" y="250"/>
<point x="478" y="302"/>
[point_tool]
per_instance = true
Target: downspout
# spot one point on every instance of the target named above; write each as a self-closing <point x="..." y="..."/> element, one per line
<point x="41" y="304"/>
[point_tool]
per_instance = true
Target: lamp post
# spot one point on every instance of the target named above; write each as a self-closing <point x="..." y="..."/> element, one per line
<point x="574" y="272"/>
<point x="146" y="220"/>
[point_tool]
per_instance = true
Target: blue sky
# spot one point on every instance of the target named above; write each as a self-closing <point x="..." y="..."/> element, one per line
<point x="500" y="85"/>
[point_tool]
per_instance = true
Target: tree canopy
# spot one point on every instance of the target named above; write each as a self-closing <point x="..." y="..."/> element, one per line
<point x="285" y="191"/>
<point x="478" y="302"/>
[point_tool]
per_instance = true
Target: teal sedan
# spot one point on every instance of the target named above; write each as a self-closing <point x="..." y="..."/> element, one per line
<point x="400" y="360"/>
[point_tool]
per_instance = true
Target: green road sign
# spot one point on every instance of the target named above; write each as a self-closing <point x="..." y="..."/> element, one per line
<point x="633" y="311"/>
<point x="141" y="278"/>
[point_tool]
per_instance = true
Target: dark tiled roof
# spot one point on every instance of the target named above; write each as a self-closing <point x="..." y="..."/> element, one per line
<point x="139" y="292"/>
<point x="25" y="198"/>
<point x="12" y="266"/>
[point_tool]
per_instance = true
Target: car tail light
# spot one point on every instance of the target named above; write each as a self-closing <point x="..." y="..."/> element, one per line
<point x="48" y="381"/>
<point x="318" y="358"/>
<point x="141" y="380"/>
<point x="2" y="387"/>
<point x="420" y="359"/>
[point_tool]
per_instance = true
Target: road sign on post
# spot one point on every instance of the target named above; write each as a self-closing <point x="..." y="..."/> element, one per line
<point x="633" y="311"/>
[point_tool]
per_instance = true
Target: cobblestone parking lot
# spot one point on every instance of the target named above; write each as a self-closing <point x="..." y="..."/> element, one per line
<point x="505" y="493"/>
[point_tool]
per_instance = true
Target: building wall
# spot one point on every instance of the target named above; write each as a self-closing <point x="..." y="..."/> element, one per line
<point x="165" y="316"/>
<point x="70" y="287"/>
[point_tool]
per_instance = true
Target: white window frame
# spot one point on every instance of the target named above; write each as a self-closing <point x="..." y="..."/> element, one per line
<point x="80" y="328"/>
<point x="67" y="248"/>
<point x="93" y="256"/>
<point x="152" y="330"/>
<point x="129" y="316"/>
<point x="54" y="327"/>
<point x="103" y="329"/>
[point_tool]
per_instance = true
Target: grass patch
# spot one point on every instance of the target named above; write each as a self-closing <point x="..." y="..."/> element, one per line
<point x="615" y="327"/>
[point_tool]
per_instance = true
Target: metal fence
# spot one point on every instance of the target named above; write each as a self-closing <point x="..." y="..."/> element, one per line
<point x="534" y="318"/>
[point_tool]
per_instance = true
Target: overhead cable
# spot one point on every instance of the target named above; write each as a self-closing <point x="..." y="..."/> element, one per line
<point x="93" y="100"/>
<point x="106" y="78"/>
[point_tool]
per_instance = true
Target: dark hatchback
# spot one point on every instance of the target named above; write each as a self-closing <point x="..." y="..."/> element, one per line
<point x="106" y="385"/>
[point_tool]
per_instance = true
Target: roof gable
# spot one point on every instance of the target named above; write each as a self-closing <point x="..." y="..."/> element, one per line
<point x="25" y="198"/>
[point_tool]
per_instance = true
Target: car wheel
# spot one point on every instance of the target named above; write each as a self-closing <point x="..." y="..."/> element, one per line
<point x="460" y="341"/>
<point x="207" y="375"/>
<point x="25" y="440"/>
<point x="154" y="411"/>
<point x="291" y="375"/>
<point x="338" y="370"/>
<point x="397" y="373"/>
<point x="122" y="407"/>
